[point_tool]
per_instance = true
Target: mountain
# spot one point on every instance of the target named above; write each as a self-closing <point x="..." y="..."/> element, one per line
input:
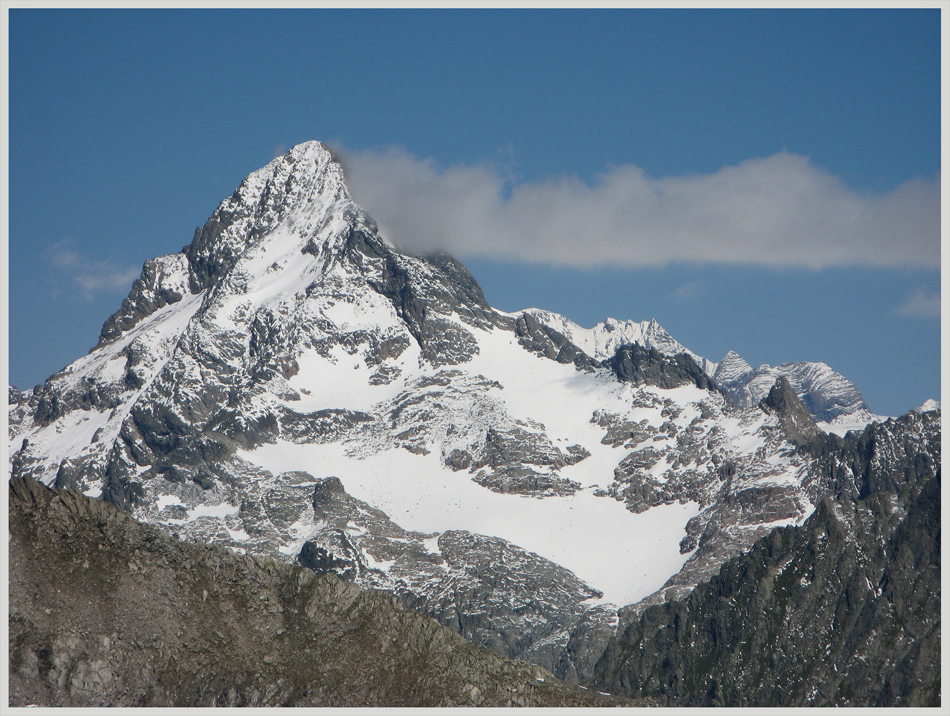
<point x="829" y="396"/>
<point x="293" y="385"/>
<point x="928" y="406"/>
<point x="603" y="340"/>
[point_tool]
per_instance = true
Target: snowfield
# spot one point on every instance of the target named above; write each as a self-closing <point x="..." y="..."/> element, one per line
<point x="587" y="534"/>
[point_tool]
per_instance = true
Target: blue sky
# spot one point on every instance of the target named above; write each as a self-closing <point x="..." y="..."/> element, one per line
<point x="758" y="180"/>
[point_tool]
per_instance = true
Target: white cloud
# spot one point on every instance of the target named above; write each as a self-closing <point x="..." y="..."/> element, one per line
<point x="923" y="304"/>
<point x="87" y="275"/>
<point x="778" y="211"/>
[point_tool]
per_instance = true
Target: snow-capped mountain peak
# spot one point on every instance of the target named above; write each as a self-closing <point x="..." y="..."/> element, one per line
<point x="602" y="341"/>
<point x="291" y="384"/>
<point x="831" y="398"/>
<point x="731" y="368"/>
<point x="927" y="406"/>
<point x="297" y="203"/>
<point x="298" y="200"/>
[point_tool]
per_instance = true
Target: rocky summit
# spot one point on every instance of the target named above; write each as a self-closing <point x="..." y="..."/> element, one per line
<point x="293" y="386"/>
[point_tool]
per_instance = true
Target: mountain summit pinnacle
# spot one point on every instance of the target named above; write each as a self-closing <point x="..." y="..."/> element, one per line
<point x="796" y="422"/>
<point x="302" y="192"/>
<point x="299" y="197"/>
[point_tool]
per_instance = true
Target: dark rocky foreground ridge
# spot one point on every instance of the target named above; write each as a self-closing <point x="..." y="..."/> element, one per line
<point x="105" y="611"/>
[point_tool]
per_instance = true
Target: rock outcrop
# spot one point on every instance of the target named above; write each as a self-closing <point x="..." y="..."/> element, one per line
<point x="793" y="417"/>
<point x="640" y="365"/>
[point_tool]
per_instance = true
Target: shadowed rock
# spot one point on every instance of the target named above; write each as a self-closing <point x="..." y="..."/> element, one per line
<point x="639" y="365"/>
<point x="793" y="416"/>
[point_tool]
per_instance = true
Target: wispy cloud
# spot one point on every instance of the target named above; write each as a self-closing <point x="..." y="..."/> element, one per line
<point x="780" y="211"/>
<point x="689" y="291"/>
<point x="923" y="304"/>
<point x="88" y="276"/>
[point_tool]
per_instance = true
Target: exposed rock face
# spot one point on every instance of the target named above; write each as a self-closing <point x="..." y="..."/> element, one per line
<point x="731" y="369"/>
<point x="425" y="293"/>
<point x="160" y="284"/>
<point x="639" y="365"/>
<point x="551" y="343"/>
<point x="796" y="421"/>
<point x="17" y="409"/>
<point x="843" y="610"/>
<point x="603" y="340"/>
<point x="883" y="457"/>
<point x="105" y="611"/>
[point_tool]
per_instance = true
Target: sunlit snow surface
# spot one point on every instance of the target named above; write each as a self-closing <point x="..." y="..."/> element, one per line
<point x="81" y="432"/>
<point x="625" y="555"/>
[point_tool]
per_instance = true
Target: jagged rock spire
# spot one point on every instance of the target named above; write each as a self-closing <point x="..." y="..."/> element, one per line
<point x="793" y="416"/>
